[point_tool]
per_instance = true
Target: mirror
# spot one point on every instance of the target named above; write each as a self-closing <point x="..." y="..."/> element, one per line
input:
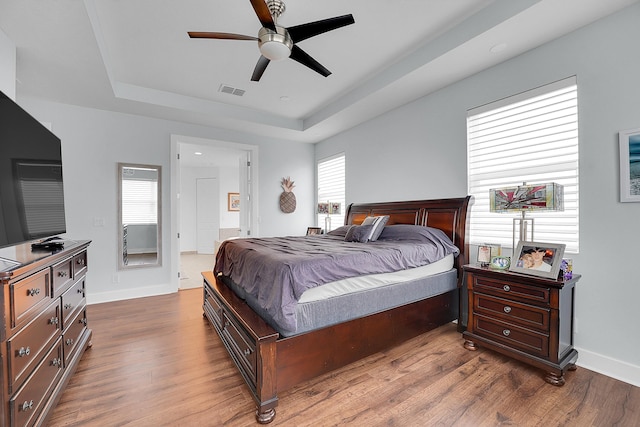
<point x="139" y="216"/>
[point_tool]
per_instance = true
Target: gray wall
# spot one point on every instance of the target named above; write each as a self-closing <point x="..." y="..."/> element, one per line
<point x="94" y="141"/>
<point x="419" y="151"/>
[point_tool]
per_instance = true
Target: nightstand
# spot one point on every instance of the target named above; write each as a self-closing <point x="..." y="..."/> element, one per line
<point x="526" y="317"/>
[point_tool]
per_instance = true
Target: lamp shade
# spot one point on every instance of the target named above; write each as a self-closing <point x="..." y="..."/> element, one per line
<point x="549" y="197"/>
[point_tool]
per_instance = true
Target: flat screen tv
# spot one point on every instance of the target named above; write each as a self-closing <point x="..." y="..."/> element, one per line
<point x="31" y="190"/>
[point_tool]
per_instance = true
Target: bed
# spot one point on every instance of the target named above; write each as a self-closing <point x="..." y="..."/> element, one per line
<point x="271" y="361"/>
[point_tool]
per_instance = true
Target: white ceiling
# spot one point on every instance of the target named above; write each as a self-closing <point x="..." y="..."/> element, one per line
<point x="135" y="56"/>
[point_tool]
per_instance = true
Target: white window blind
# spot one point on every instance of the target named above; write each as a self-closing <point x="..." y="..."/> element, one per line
<point x="531" y="137"/>
<point x="139" y="205"/>
<point x="331" y="188"/>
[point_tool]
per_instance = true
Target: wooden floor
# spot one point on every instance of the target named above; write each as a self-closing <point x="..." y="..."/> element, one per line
<point x="156" y="362"/>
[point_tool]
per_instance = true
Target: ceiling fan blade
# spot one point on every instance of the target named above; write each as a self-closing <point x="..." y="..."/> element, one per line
<point x="303" y="57"/>
<point x="264" y="14"/>
<point x="227" y="36"/>
<point x="260" y="67"/>
<point x="304" y="31"/>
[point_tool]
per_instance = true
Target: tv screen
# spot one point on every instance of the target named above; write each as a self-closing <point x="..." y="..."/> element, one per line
<point x="31" y="190"/>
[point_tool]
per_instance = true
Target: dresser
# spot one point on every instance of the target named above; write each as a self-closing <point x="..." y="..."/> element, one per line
<point x="525" y="317"/>
<point x="45" y="331"/>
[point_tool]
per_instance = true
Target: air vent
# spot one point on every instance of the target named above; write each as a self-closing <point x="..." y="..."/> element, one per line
<point x="231" y="90"/>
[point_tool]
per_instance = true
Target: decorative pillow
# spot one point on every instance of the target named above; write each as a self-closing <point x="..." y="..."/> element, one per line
<point x="358" y="233"/>
<point x="341" y="231"/>
<point x="378" y="223"/>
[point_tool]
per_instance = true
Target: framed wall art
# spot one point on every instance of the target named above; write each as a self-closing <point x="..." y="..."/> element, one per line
<point x="629" y="165"/>
<point x="233" y="202"/>
<point x="538" y="259"/>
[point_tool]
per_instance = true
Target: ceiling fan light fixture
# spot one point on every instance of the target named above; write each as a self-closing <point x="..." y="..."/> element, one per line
<point x="274" y="45"/>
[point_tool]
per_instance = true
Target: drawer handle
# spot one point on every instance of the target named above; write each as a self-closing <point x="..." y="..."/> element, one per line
<point x="80" y="290"/>
<point x="247" y="352"/>
<point x="507" y="309"/>
<point x="24" y="352"/>
<point x="33" y="292"/>
<point x="62" y="273"/>
<point x="54" y="321"/>
<point x="27" y="405"/>
<point x="69" y="341"/>
<point x="67" y="306"/>
<point x="506" y="332"/>
<point x="83" y="321"/>
<point x="506" y="288"/>
<point x="80" y="261"/>
<point x="56" y="362"/>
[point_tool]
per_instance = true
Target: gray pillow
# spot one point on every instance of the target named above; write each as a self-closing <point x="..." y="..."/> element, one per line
<point x="378" y="223"/>
<point x="358" y="233"/>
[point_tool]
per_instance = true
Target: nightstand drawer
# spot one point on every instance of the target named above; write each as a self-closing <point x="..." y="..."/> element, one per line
<point x="511" y="311"/>
<point x="512" y="336"/>
<point x="512" y="290"/>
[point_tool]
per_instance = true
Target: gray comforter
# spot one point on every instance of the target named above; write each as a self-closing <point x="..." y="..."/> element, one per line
<point x="277" y="270"/>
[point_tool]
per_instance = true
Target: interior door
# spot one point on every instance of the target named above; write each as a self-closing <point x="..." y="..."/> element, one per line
<point x="246" y="202"/>
<point x="207" y="215"/>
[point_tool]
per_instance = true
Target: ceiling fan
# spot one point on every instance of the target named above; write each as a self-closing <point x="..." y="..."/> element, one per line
<point x="276" y="42"/>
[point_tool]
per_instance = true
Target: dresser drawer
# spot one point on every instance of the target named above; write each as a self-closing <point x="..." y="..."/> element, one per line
<point x="72" y="301"/>
<point x="512" y="335"/>
<point x="79" y="264"/>
<point x="31" y="398"/>
<point x="26" y="294"/>
<point x="511" y="311"/>
<point x="512" y="290"/>
<point x="25" y="348"/>
<point x="242" y="348"/>
<point x="62" y="275"/>
<point x="72" y="335"/>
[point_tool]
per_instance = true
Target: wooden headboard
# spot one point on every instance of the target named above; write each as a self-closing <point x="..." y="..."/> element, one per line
<point x="449" y="215"/>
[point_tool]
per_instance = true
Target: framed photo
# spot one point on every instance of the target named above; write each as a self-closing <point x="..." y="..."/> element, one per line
<point x="233" y="202"/>
<point x="312" y="231"/>
<point x="629" y="165"/>
<point x="538" y="259"/>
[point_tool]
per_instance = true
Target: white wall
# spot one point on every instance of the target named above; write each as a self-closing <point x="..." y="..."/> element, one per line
<point x="93" y="141"/>
<point x="420" y="152"/>
<point x="7" y="66"/>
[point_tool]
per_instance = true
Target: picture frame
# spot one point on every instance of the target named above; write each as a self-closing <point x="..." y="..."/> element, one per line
<point x="312" y="231"/>
<point x="629" y="141"/>
<point x="538" y="259"/>
<point x="233" y="202"/>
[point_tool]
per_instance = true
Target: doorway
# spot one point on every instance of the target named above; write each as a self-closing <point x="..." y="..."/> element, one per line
<point x="204" y="173"/>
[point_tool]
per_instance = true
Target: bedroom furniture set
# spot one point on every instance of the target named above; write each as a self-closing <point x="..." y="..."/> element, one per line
<point x="291" y="309"/>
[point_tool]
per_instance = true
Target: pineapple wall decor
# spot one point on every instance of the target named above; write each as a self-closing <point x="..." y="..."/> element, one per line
<point x="287" y="198"/>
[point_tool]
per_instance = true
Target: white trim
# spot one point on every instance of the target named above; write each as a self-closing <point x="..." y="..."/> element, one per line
<point x="608" y="366"/>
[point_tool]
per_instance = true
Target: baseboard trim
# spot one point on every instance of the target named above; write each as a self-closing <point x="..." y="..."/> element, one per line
<point x="608" y="366"/>
<point x="148" y="291"/>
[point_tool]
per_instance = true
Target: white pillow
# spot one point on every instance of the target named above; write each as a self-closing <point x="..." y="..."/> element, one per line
<point x="377" y="223"/>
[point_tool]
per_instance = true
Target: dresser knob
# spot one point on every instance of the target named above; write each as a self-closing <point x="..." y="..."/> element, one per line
<point x="54" y="321"/>
<point x="247" y="352"/>
<point x="33" y="292"/>
<point x="83" y="321"/>
<point x="80" y="261"/>
<point x="67" y="306"/>
<point x="506" y="288"/>
<point x="506" y="332"/>
<point x="56" y="362"/>
<point x="62" y="274"/>
<point x="27" y="405"/>
<point x="69" y="341"/>
<point x="24" y="352"/>
<point x="507" y="309"/>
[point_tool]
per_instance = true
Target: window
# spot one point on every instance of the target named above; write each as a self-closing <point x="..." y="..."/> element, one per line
<point x="139" y="201"/>
<point x="331" y="188"/>
<point x="531" y="137"/>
